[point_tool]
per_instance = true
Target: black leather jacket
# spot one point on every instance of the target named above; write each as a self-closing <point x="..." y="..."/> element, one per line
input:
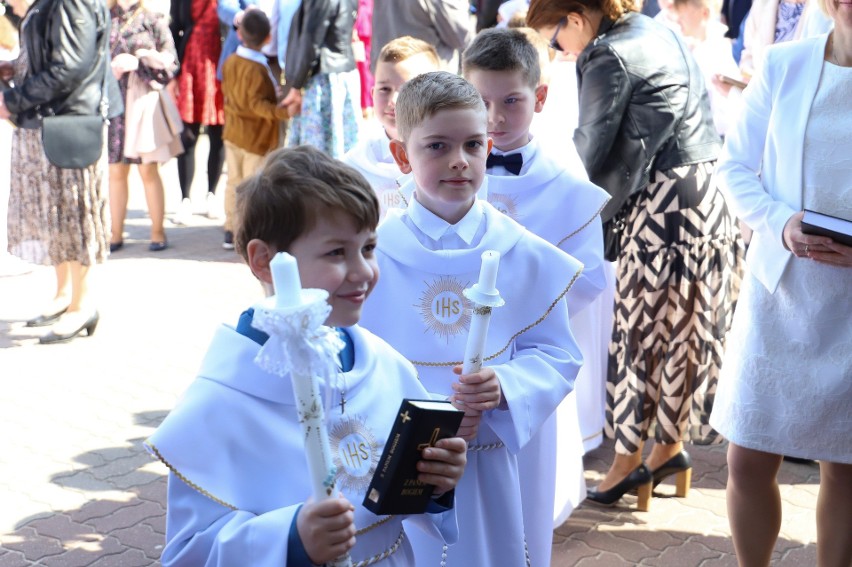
<point x="320" y="40"/>
<point x="643" y="107"/>
<point x="67" y="44"/>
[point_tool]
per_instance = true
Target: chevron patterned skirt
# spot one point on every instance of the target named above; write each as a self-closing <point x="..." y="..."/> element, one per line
<point x="677" y="281"/>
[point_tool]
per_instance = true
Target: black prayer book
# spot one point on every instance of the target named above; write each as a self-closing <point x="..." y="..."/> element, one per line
<point x="821" y="224"/>
<point x="394" y="488"/>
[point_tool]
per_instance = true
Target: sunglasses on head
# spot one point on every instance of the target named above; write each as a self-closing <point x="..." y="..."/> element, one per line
<point x="554" y="43"/>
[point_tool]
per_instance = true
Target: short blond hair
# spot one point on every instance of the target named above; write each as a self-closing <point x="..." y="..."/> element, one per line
<point x="426" y="94"/>
<point x="406" y="47"/>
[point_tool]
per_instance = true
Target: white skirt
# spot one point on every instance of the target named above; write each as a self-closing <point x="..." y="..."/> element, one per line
<point x="786" y="382"/>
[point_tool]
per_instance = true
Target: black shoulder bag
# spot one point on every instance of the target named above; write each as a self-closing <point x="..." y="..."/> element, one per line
<point x="76" y="141"/>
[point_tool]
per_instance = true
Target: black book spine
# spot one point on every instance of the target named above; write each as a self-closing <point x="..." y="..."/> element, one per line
<point x="394" y="488"/>
<point x="386" y="481"/>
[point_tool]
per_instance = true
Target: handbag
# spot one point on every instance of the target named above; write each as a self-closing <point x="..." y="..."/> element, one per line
<point x="152" y="123"/>
<point x="612" y="232"/>
<point x="72" y="141"/>
<point x="76" y="141"/>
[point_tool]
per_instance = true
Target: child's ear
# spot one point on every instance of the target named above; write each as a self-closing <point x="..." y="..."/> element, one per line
<point x="540" y="97"/>
<point x="400" y="156"/>
<point x="490" y="145"/>
<point x="258" y="255"/>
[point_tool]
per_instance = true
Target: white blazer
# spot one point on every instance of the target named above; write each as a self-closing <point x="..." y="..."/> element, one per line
<point x="760" y="169"/>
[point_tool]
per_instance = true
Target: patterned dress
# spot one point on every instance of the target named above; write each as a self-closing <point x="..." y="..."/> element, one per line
<point x="789" y="14"/>
<point x="131" y="30"/>
<point x="55" y="215"/>
<point x="200" y="99"/>
<point x="677" y="281"/>
<point x="330" y="113"/>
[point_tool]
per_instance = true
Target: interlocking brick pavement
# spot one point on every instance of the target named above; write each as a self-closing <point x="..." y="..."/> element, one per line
<point x="78" y="489"/>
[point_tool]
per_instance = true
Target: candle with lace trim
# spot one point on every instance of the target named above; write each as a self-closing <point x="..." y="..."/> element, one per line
<point x="301" y="346"/>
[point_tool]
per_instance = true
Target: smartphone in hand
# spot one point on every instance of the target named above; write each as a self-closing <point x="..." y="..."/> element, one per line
<point x="739" y="83"/>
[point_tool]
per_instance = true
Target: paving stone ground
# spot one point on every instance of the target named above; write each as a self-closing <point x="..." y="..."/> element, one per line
<point x="78" y="489"/>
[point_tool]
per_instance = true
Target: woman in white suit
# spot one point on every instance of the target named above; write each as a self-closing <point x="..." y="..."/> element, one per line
<point x="786" y="382"/>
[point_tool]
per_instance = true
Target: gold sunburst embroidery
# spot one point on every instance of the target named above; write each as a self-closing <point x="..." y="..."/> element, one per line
<point x="506" y="204"/>
<point x="355" y="452"/>
<point x="444" y="308"/>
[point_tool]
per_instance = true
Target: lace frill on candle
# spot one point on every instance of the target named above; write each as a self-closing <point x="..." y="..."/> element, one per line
<point x="298" y="342"/>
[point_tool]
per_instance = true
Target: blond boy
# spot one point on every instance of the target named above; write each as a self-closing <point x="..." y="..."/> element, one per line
<point x="399" y="61"/>
<point x="430" y="253"/>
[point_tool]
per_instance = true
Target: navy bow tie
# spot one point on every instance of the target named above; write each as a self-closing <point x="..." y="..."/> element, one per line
<point x="512" y="162"/>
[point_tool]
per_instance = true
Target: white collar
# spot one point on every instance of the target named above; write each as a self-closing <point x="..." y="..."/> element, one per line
<point x="380" y="144"/>
<point x="435" y="227"/>
<point x="252" y="55"/>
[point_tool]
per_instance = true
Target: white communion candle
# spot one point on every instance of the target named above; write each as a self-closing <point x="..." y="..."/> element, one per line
<point x="488" y="271"/>
<point x="285" y="280"/>
<point x="483" y="296"/>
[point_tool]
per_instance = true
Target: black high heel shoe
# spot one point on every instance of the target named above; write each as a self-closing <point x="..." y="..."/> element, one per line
<point x="44" y="320"/>
<point x="640" y="479"/>
<point x="681" y="465"/>
<point x="89" y="325"/>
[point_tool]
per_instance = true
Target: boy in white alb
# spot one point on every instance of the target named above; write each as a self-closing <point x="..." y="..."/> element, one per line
<point x="593" y="324"/>
<point x="239" y="485"/>
<point x="430" y="252"/>
<point x="531" y="186"/>
<point x="399" y="61"/>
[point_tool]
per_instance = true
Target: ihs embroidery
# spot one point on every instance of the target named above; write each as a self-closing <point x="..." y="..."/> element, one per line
<point x="444" y="309"/>
<point x="355" y="452"/>
<point x="506" y="204"/>
<point x="392" y="199"/>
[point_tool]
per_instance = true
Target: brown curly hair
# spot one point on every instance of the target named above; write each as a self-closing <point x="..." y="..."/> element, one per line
<point x="544" y="13"/>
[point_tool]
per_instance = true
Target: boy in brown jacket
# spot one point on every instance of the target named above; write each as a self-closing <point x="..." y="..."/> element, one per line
<point x="251" y="110"/>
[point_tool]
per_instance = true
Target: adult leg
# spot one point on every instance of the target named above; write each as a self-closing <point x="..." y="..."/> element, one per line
<point x="672" y="395"/>
<point x="118" y="199"/>
<point x="62" y="297"/>
<point x="834" y="515"/>
<point x="622" y="465"/>
<point x="155" y="197"/>
<point x="754" y="504"/>
<point x="80" y="299"/>
<point x="186" y="160"/>
<point x="661" y="453"/>
<point x="81" y="312"/>
<point x="631" y="374"/>
<point x="216" y="157"/>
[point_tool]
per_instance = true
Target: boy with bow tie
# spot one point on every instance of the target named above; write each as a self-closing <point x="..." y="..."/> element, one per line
<point x="533" y="186"/>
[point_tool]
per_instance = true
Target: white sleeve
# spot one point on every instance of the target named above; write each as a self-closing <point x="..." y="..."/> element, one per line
<point x="201" y="532"/>
<point x="738" y="171"/>
<point x="539" y="375"/>
<point x="587" y="247"/>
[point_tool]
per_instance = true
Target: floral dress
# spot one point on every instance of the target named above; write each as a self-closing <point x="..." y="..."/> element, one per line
<point x="133" y="29"/>
<point x="55" y="215"/>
